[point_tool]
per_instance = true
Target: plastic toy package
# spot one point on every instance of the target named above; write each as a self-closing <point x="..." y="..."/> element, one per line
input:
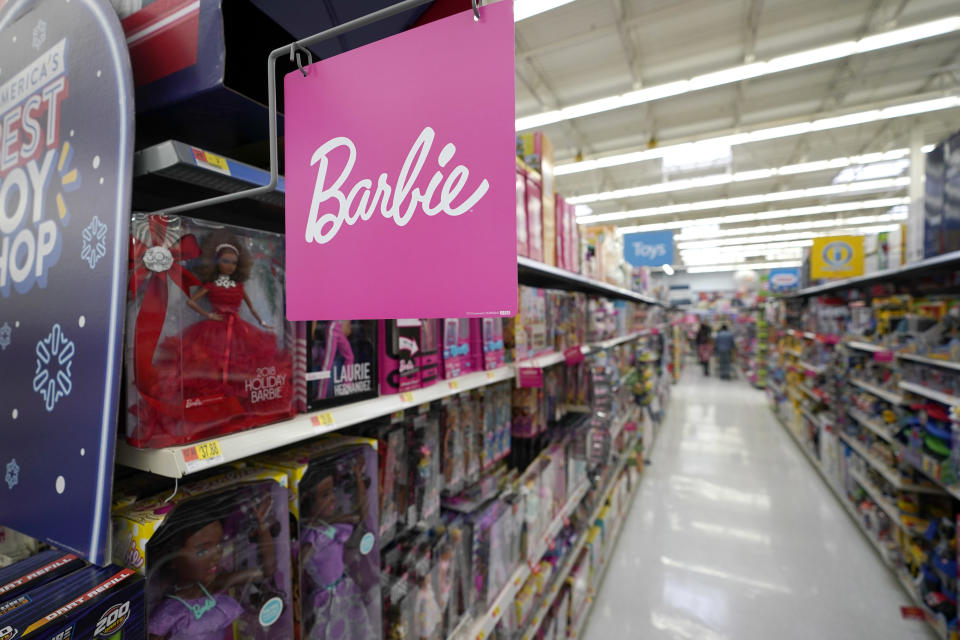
<point x="453" y="447"/>
<point x="342" y="359"/>
<point x="471" y="416"/>
<point x="90" y="602"/>
<point x="216" y="557"/>
<point x="400" y="359"/>
<point x="430" y="352"/>
<point x="208" y="350"/>
<point x="425" y="472"/>
<point x="334" y="504"/>
<point x="394" y="490"/>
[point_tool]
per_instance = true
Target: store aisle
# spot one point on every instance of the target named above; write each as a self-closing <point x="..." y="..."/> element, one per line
<point x="735" y="536"/>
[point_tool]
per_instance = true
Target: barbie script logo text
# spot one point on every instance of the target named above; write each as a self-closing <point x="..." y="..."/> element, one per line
<point x="335" y="203"/>
<point x="29" y="155"/>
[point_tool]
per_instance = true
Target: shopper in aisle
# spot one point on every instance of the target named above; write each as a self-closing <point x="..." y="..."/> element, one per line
<point x="723" y="345"/>
<point x="705" y="346"/>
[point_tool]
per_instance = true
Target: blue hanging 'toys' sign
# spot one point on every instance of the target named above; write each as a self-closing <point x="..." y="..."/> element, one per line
<point x="66" y="147"/>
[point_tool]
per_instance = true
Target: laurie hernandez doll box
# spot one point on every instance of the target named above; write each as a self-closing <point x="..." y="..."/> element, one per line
<point x="334" y="508"/>
<point x="216" y="557"/>
<point x="208" y="350"/>
<point x="341" y="360"/>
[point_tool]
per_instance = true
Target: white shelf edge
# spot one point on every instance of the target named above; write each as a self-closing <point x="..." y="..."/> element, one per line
<point x="861" y="418"/>
<point x="581" y="280"/>
<point x="932" y="394"/>
<point x="169" y="461"/>
<point x="865" y="346"/>
<point x="877" y="391"/>
<point x="936" y="362"/>
<point x="877" y="497"/>
<point x="794" y="352"/>
<point x="810" y="367"/>
<point x="889" y="474"/>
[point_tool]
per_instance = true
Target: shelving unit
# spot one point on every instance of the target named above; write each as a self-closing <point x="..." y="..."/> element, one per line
<point x="864" y="420"/>
<point x="795" y="352"/>
<point x="936" y="362"/>
<point x="889" y="474"/>
<point x="946" y="261"/>
<point x="877" y="496"/>
<point x="865" y="346"/>
<point x="812" y="368"/>
<point x="877" y="391"/>
<point x="932" y="394"/>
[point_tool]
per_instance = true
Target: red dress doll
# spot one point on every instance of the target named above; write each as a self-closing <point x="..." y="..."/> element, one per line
<point x="229" y="373"/>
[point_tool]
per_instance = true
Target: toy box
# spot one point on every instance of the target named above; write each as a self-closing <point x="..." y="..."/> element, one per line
<point x="91" y="602"/>
<point x="537" y="151"/>
<point x="486" y="343"/>
<point x="33" y="572"/>
<point x="342" y="360"/>
<point x="424" y="468"/>
<point x="534" y="217"/>
<point x="469" y="361"/>
<point x="334" y="508"/>
<point x="216" y="556"/>
<point x="522" y="242"/>
<point x="560" y="213"/>
<point x="399" y="355"/>
<point x="951" y="193"/>
<point x="452" y="357"/>
<point x="208" y="350"/>
<point x="430" y="356"/>
<point x="394" y="491"/>
<point x="933" y="202"/>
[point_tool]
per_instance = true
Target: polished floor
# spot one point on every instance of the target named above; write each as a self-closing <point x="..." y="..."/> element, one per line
<point x="734" y="536"/>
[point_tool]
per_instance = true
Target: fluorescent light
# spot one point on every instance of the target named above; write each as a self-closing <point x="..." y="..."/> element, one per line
<point x="736" y="267"/>
<point x="667" y="269"/>
<point x="523" y="9"/>
<point x="581" y="209"/>
<point x="768" y="133"/>
<point x="742" y="201"/>
<point x="709" y="225"/>
<point x="738" y="73"/>
<point x="874" y="171"/>
<point x="743" y="176"/>
<point x="848" y="227"/>
<point x="927" y="148"/>
<point x="705" y="258"/>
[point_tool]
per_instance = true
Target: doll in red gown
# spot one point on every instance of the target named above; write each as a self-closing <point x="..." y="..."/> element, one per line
<point x="224" y="373"/>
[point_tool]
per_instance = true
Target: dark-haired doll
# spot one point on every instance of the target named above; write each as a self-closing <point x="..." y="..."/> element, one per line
<point x="338" y="608"/>
<point x="197" y="604"/>
<point x="224" y="359"/>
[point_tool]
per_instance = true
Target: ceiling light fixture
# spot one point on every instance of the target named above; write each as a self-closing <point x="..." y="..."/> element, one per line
<point x="767" y="133"/>
<point x="667" y="269"/>
<point x="739" y="73"/>
<point x="802" y="235"/>
<point x="673" y="186"/>
<point x="744" y="265"/>
<point x="742" y="201"/>
<point x="708" y="226"/>
<point x="523" y="9"/>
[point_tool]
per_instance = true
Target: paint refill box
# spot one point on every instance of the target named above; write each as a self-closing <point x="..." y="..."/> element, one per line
<point x="34" y="572"/>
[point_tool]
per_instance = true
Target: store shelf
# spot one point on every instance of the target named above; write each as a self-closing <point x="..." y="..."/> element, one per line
<point x="809" y="335"/>
<point x="890" y="475"/>
<point x="877" y="496"/>
<point x="172" y="461"/>
<point x="554" y="358"/>
<point x="936" y="362"/>
<point x="482" y="626"/>
<point x="953" y="490"/>
<point x="813" y="394"/>
<point x="865" y="421"/>
<point x="932" y="394"/>
<point x="945" y="262"/>
<point x="877" y="391"/>
<point x="534" y="625"/>
<point x="815" y="419"/>
<point x="539" y="274"/>
<point x="865" y="346"/>
<point x="795" y="352"/>
<point x="812" y="368"/>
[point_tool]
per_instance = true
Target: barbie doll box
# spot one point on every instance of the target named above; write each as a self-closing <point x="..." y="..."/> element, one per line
<point x="216" y="556"/>
<point x="334" y="504"/>
<point x="92" y="602"/>
<point x="208" y="350"/>
<point x="341" y="361"/>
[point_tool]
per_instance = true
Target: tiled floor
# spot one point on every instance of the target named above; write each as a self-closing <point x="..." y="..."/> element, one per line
<point x="734" y="536"/>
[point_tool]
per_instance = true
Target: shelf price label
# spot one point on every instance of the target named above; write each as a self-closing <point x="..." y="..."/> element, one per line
<point x="205" y="454"/>
<point x="491" y="375"/>
<point x="406" y="396"/>
<point x="496" y="612"/>
<point x="454" y="385"/>
<point x="211" y="160"/>
<point x="323" y="420"/>
<point x="573" y="355"/>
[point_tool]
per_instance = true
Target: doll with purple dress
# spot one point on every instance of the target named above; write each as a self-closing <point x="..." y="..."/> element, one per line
<point x="200" y="584"/>
<point x="332" y="524"/>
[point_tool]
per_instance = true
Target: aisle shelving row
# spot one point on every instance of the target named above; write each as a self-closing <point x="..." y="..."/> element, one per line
<point x="932" y="394"/>
<point x="864" y="420"/>
<point x="889" y="396"/>
<point x="938" y="627"/>
<point x="178" y="461"/>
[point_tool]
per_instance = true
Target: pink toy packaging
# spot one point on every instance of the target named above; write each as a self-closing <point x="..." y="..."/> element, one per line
<point x="399" y="355"/>
<point x="341" y="361"/>
<point x="561" y="213"/>
<point x="469" y="358"/>
<point x="430" y="365"/>
<point x="208" y="350"/>
<point x="452" y="356"/>
<point x="486" y="343"/>
<point x="534" y="219"/>
<point x="573" y="244"/>
<point x="522" y="241"/>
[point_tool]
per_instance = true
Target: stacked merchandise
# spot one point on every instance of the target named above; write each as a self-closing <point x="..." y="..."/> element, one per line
<point x="747" y="343"/>
<point x="892" y="449"/>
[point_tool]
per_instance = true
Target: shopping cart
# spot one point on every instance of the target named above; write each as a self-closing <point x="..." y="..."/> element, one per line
<point x="724" y="361"/>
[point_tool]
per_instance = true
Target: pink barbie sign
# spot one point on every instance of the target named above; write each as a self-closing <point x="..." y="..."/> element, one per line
<point x="400" y="176"/>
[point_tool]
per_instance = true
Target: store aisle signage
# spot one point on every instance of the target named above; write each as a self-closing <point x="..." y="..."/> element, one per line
<point x="401" y="175"/>
<point x="836" y="257"/>
<point x="650" y="249"/>
<point x="66" y="148"/>
<point x="784" y="279"/>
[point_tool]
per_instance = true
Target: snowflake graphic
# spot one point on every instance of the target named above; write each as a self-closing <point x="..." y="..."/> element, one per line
<point x="94" y="242"/>
<point x="13" y="473"/>
<point x="5" y="333"/>
<point x="39" y="34"/>
<point x="53" y="379"/>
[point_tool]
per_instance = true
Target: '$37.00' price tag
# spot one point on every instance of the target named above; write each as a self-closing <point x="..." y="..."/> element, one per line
<point x="205" y="454"/>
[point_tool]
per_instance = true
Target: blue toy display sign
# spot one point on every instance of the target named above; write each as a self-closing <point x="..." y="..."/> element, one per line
<point x="784" y="279"/>
<point x="66" y="147"/>
<point x="650" y="249"/>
